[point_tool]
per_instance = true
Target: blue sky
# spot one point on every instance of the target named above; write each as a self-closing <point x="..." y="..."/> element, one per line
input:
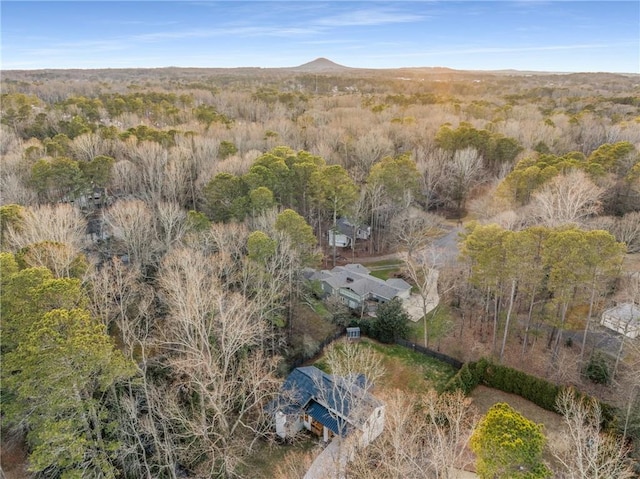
<point x="565" y="36"/>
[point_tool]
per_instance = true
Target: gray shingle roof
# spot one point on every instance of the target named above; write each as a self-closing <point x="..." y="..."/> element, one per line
<point x="628" y="312"/>
<point x="345" y="227"/>
<point x="354" y="268"/>
<point x="398" y="283"/>
<point x="357" y="278"/>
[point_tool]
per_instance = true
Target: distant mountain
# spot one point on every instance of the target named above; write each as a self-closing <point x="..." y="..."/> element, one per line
<point x="320" y="65"/>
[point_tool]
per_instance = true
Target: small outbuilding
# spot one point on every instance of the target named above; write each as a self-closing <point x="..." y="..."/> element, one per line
<point x="353" y="334"/>
<point x="624" y="319"/>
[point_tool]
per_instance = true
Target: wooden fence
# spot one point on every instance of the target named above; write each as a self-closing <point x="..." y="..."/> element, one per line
<point x="299" y="361"/>
<point x="431" y="353"/>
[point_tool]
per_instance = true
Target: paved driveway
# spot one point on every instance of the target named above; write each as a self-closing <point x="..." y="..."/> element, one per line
<point x="330" y="462"/>
<point x="447" y="245"/>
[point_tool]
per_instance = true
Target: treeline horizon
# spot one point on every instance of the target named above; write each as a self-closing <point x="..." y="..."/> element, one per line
<point x="156" y="224"/>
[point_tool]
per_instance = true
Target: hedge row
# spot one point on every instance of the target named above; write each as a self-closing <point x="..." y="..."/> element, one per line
<point x="537" y="390"/>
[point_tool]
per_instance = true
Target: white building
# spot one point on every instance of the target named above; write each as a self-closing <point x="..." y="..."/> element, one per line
<point x="346" y="233"/>
<point x="624" y="318"/>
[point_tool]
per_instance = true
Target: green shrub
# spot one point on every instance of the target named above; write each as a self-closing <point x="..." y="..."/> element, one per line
<point x="363" y="324"/>
<point x="464" y="380"/>
<point x="391" y="322"/>
<point x="597" y="370"/>
<point x="534" y="389"/>
<point x="537" y="390"/>
<point x="468" y="377"/>
<point x="508" y="445"/>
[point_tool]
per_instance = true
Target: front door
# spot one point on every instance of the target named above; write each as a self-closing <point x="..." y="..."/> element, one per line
<point x="316" y="427"/>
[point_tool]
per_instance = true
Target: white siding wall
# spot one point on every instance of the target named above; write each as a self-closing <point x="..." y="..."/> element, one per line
<point x="404" y="294"/>
<point x="287" y="426"/>
<point x="631" y="330"/>
<point x="372" y="427"/>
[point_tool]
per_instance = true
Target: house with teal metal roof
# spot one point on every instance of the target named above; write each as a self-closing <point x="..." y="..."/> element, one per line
<point x="328" y="406"/>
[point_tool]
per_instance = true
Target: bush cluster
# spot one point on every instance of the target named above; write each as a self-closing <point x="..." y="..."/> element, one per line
<point x="390" y="324"/>
<point x="597" y="370"/>
<point x="537" y="390"/>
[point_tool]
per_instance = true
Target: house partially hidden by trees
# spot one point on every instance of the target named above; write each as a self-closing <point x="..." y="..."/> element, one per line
<point x="327" y="405"/>
<point x="623" y="318"/>
<point x="357" y="289"/>
<point x="347" y="233"/>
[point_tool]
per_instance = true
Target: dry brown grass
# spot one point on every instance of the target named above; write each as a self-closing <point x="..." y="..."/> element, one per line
<point x="309" y="327"/>
<point x="13" y="458"/>
<point x="632" y="262"/>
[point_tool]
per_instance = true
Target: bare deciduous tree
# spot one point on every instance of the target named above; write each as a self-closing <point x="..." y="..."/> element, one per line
<point x="151" y="159"/>
<point x="9" y="140"/>
<point x="368" y="149"/>
<point x="569" y="198"/>
<point x="177" y="186"/>
<point x="432" y="167"/>
<point x="210" y="338"/>
<point x="86" y="147"/>
<point x="132" y="222"/>
<point x="423" y="271"/>
<point x="294" y="465"/>
<point x="413" y="229"/>
<point x="589" y="453"/>
<point x="354" y="368"/>
<point x="399" y="452"/>
<point x="423" y="437"/>
<point x="171" y="225"/>
<point x="462" y="173"/>
<point x="58" y="257"/>
<point x="118" y="295"/>
<point x="627" y="230"/>
<point x="451" y="418"/>
<point x="125" y="178"/>
<point x="13" y="191"/>
<point x="61" y="223"/>
<point x="350" y="359"/>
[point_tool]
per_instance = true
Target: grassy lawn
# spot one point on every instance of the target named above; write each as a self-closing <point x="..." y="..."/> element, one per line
<point x="383" y="274"/>
<point x="384" y="269"/>
<point x="440" y="322"/>
<point x="320" y="309"/>
<point x="383" y="263"/>
<point x="266" y="456"/>
<point x="409" y="370"/>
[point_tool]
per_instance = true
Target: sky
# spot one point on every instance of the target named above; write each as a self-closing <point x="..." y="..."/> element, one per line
<point x="530" y="35"/>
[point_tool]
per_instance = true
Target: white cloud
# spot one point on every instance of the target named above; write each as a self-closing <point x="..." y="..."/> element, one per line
<point x="369" y="17"/>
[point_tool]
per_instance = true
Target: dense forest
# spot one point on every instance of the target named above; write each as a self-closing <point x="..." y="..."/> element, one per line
<point x="156" y="225"/>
